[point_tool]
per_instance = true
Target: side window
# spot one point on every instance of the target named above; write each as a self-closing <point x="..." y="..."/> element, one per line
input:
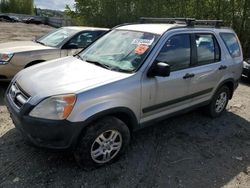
<point x="208" y="50"/>
<point x="83" y="39"/>
<point x="176" y="52"/>
<point x="99" y="33"/>
<point x="232" y="44"/>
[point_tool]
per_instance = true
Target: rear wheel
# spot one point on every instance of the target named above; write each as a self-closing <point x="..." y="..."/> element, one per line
<point x="219" y="102"/>
<point x="103" y="142"/>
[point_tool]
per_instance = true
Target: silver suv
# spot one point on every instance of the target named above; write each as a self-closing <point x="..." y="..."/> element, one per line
<point x="132" y="76"/>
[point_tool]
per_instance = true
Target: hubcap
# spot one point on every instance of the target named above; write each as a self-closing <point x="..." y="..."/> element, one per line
<point x="106" y="146"/>
<point x="221" y="102"/>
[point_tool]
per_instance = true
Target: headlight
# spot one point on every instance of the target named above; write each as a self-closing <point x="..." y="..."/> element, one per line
<point x="54" y="108"/>
<point x="5" y="58"/>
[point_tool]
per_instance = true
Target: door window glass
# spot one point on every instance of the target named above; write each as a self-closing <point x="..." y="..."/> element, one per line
<point x="176" y="52"/>
<point x="84" y="39"/>
<point x="207" y="49"/>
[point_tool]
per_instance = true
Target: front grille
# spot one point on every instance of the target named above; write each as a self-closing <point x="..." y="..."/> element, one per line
<point x="18" y="96"/>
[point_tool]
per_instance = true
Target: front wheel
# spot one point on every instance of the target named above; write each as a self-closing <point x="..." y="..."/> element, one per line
<point x="219" y="102"/>
<point x="103" y="142"/>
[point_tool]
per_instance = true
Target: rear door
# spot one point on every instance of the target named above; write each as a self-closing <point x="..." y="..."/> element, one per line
<point x="208" y="68"/>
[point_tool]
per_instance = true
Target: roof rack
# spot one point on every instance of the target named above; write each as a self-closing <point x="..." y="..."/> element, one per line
<point x="216" y="23"/>
<point x="188" y="21"/>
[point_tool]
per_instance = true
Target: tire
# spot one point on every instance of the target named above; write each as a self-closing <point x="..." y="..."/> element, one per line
<point x="89" y="153"/>
<point x="216" y="108"/>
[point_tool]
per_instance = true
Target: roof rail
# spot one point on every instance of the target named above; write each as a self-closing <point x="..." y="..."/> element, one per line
<point x="188" y="21"/>
<point x="216" y="23"/>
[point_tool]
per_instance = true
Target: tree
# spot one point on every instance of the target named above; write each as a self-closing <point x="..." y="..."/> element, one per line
<point x="17" y="6"/>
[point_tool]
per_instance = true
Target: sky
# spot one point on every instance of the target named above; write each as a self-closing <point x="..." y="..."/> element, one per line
<point x="53" y="4"/>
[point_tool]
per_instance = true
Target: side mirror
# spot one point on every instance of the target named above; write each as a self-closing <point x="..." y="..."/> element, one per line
<point x="159" y="69"/>
<point x="71" y="46"/>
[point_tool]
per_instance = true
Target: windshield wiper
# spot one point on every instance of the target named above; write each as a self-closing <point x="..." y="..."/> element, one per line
<point x="99" y="64"/>
<point x="106" y="66"/>
<point x="79" y="57"/>
<point x="40" y="42"/>
<point x="121" y="70"/>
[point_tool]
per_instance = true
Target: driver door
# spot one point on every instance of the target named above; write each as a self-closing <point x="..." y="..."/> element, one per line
<point x="165" y="95"/>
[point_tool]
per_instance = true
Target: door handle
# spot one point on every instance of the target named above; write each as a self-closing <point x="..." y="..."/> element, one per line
<point x="222" y="67"/>
<point x="188" y="75"/>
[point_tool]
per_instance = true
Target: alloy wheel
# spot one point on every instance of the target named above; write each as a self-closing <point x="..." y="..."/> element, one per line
<point x="106" y="146"/>
<point x="221" y="102"/>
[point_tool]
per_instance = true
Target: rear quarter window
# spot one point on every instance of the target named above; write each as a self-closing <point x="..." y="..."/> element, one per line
<point x="232" y="44"/>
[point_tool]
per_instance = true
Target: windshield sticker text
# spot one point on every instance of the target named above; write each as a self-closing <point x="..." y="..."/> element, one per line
<point x="143" y="41"/>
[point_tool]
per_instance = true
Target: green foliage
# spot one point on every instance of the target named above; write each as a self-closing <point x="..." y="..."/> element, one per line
<point x="17" y="6"/>
<point x="78" y="19"/>
<point x="108" y="13"/>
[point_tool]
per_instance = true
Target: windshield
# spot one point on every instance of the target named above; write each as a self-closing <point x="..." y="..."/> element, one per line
<point x="120" y="50"/>
<point x="56" y="38"/>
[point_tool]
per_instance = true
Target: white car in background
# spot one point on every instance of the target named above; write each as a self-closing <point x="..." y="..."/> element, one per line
<point x="65" y="41"/>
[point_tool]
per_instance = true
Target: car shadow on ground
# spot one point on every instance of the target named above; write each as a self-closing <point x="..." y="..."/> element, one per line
<point x="191" y="150"/>
<point x="3" y="88"/>
<point x="245" y="81"/>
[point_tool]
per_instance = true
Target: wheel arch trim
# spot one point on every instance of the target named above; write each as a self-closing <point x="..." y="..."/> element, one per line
<point x="131" y="122"/>
<point x="34" y="62"/>
<point x="231" y="83"/>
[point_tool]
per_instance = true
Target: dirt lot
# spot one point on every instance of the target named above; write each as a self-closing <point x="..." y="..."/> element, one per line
<point x="20" y="31"/>
<point x="192" y="150"/>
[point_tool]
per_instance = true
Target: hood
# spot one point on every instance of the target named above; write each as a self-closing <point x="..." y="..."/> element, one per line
<point x="21" y="46"/>
<point x="65" y="75"/>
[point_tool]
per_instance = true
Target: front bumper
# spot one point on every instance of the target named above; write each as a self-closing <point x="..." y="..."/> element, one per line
<point x="8" y="71"/>
<point x="53" y="134"/>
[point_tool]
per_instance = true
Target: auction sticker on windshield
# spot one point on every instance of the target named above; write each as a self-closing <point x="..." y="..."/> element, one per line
<point x="141" y="49"/>
<point x="143" y="42"/>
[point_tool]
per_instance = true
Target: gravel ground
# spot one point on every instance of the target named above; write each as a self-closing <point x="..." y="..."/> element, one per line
<point x="20" y="32"/>
<point x="191" y="150"/>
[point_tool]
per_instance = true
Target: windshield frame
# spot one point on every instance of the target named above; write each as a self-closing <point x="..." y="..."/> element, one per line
<point x="158" y="36"/>
<point x="61" y="44"/>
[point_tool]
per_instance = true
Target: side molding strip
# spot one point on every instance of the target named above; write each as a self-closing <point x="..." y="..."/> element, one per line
<point x="168" y="103"/>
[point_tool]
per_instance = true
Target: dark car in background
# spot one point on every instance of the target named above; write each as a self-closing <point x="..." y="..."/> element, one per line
<point x="32" y="20"/>
<point x="7" y="18"/>
<point x="246" y="69"/>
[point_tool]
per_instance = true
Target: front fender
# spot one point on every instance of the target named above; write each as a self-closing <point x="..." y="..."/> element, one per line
<point x="105" y="107"/>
